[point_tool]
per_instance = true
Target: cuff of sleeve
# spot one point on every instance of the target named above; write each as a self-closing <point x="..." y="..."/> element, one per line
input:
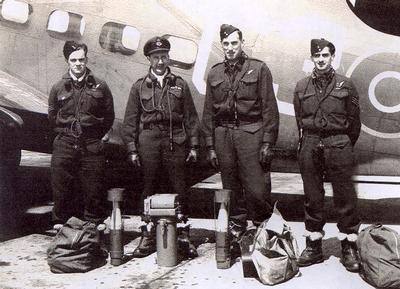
<point x="267" y="137"/>
<point x="194" y="141"/>
<point x="209" y="141"/>
<point x="131" y="147"/>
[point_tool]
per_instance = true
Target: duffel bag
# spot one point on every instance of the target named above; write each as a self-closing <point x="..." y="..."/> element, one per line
<point x="76" y="248"/>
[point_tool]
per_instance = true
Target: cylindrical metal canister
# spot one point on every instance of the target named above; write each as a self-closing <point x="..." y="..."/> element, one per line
<point x="116" y="247"/>
<point x="222" y="250"/>
<point x="167" y="253"/>
<point x="222" y="240"/>
<point x="116" y="236"/>
<point x="116" y="227"/>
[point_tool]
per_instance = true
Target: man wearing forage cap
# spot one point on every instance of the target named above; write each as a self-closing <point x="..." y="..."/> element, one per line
<point x="328" y="117"/>
<point x="81" y="112"/>
<point x="240" y="124"/>
<point x="160" y="123"/>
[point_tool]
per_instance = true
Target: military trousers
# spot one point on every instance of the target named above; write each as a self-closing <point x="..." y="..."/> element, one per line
<point x="159" y="161"/>
<point x="238" y="156"/>
<point x="77" y="179"/>
<point x="333" y="157"/>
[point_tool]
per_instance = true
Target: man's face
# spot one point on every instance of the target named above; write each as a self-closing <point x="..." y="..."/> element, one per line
<point x="323" y="60"/>
<point x="77" y="62"/>
<point x="232" y="46"/>
<point x="159" y="62"/>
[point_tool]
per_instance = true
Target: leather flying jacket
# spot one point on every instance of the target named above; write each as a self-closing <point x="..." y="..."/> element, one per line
<point x="81" y="109"/>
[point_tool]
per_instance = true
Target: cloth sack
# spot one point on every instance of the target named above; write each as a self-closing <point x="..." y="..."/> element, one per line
<point x="275" y="250"/>
<point x="76" y="248"/>
<point x="379" y="251"/>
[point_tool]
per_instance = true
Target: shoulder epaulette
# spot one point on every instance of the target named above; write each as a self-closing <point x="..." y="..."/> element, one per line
<point x="140" y="79"/>
<point x="178" y="76"/>
<point x="255" y="59"/>
<point x="215" y="65"/>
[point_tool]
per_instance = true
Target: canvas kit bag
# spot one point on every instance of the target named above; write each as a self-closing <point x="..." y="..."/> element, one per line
<point x="76" y="248"/>
<point x="379" y="251"/>
<point x="274" y="251"/>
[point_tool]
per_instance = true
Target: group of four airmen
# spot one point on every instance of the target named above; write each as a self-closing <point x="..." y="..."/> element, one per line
<point x="240" y="126"/>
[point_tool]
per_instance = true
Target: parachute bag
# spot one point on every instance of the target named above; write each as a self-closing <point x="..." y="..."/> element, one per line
<point x="379" y="251"/>
<point x="275" y="250"/>
<point x="76" y="248"/>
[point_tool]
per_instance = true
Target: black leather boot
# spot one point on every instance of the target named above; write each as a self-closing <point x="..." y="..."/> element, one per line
<point x="186" y="248"/>
<point x="350" y="258"/>
<point x="312" y="254"/>
<point x="147" y="244"/>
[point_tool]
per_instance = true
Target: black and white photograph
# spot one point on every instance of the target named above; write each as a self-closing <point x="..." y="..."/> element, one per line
<point x="179" y="144"/>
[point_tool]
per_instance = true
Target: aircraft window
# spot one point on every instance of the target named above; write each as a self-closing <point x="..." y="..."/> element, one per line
<point x="183" y="52"/>
<point x="63" y="23"/>
<point x="15" y="11"/>
<point x="116" y="37"/>
<point x="379" y="15"/>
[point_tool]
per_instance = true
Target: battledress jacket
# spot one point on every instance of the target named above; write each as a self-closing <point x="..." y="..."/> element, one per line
<point x="149" y="103"/>
<point x="335" y="111"/>
<point x="251" y="95"/>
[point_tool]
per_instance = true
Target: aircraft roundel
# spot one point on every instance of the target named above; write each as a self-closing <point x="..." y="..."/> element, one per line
<point x="377" y="78"/>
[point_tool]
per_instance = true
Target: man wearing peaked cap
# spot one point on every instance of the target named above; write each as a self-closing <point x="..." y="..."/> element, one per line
<point x="81" y="112"/>
<point x="160" y="123"/>
<point x="328" y="119"/>
<point x="240" y="124"/>
<point x="156" y="44"/>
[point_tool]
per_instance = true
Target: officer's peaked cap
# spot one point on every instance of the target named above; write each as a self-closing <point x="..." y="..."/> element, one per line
<point x="318" y="44"/>
<point x="226" y="30"/>
<point x="156" y="44"/>
<point x="71" y="46"/>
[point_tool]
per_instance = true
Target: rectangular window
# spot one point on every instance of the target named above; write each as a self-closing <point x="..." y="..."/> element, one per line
<point x="15" y="11"/>
<point x="117" y="37"/>
<point x="65" y="24"/>
<point x="183" y="51"/>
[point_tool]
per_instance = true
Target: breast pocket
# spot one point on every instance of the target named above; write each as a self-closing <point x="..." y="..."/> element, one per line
<point x="248" y="88"/>
<point x="218" y="89"/>
<point x="176" y="96"/>
<point x="308" y="103"/>
<point x="94" y="101"/>
<point x="336" y="102"/>
<point x="65" y="103"/>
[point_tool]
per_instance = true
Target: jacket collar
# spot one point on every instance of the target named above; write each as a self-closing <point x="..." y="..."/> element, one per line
<point x="154" y="79"/>
<point x="89" y="79"/>
<point x="238" y="65"/>
<point x="322" y="80"/>
<point x="67" y="75"/>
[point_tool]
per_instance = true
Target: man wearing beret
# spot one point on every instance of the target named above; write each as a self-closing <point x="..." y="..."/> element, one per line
<point x="328" y="118"/>
<point x="160" y="130"/>
<point x="81" y="112"/>
<point x="240" y="123"/>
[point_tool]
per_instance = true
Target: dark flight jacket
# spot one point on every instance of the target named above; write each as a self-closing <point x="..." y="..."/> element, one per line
<point x="149" y="104"/>
<point x="91" y="105"/>
<point x="249" y="102"/>
<point x="335" y="111"/>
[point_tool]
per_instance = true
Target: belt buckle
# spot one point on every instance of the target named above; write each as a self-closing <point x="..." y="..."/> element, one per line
<point x="76" y="129"/>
